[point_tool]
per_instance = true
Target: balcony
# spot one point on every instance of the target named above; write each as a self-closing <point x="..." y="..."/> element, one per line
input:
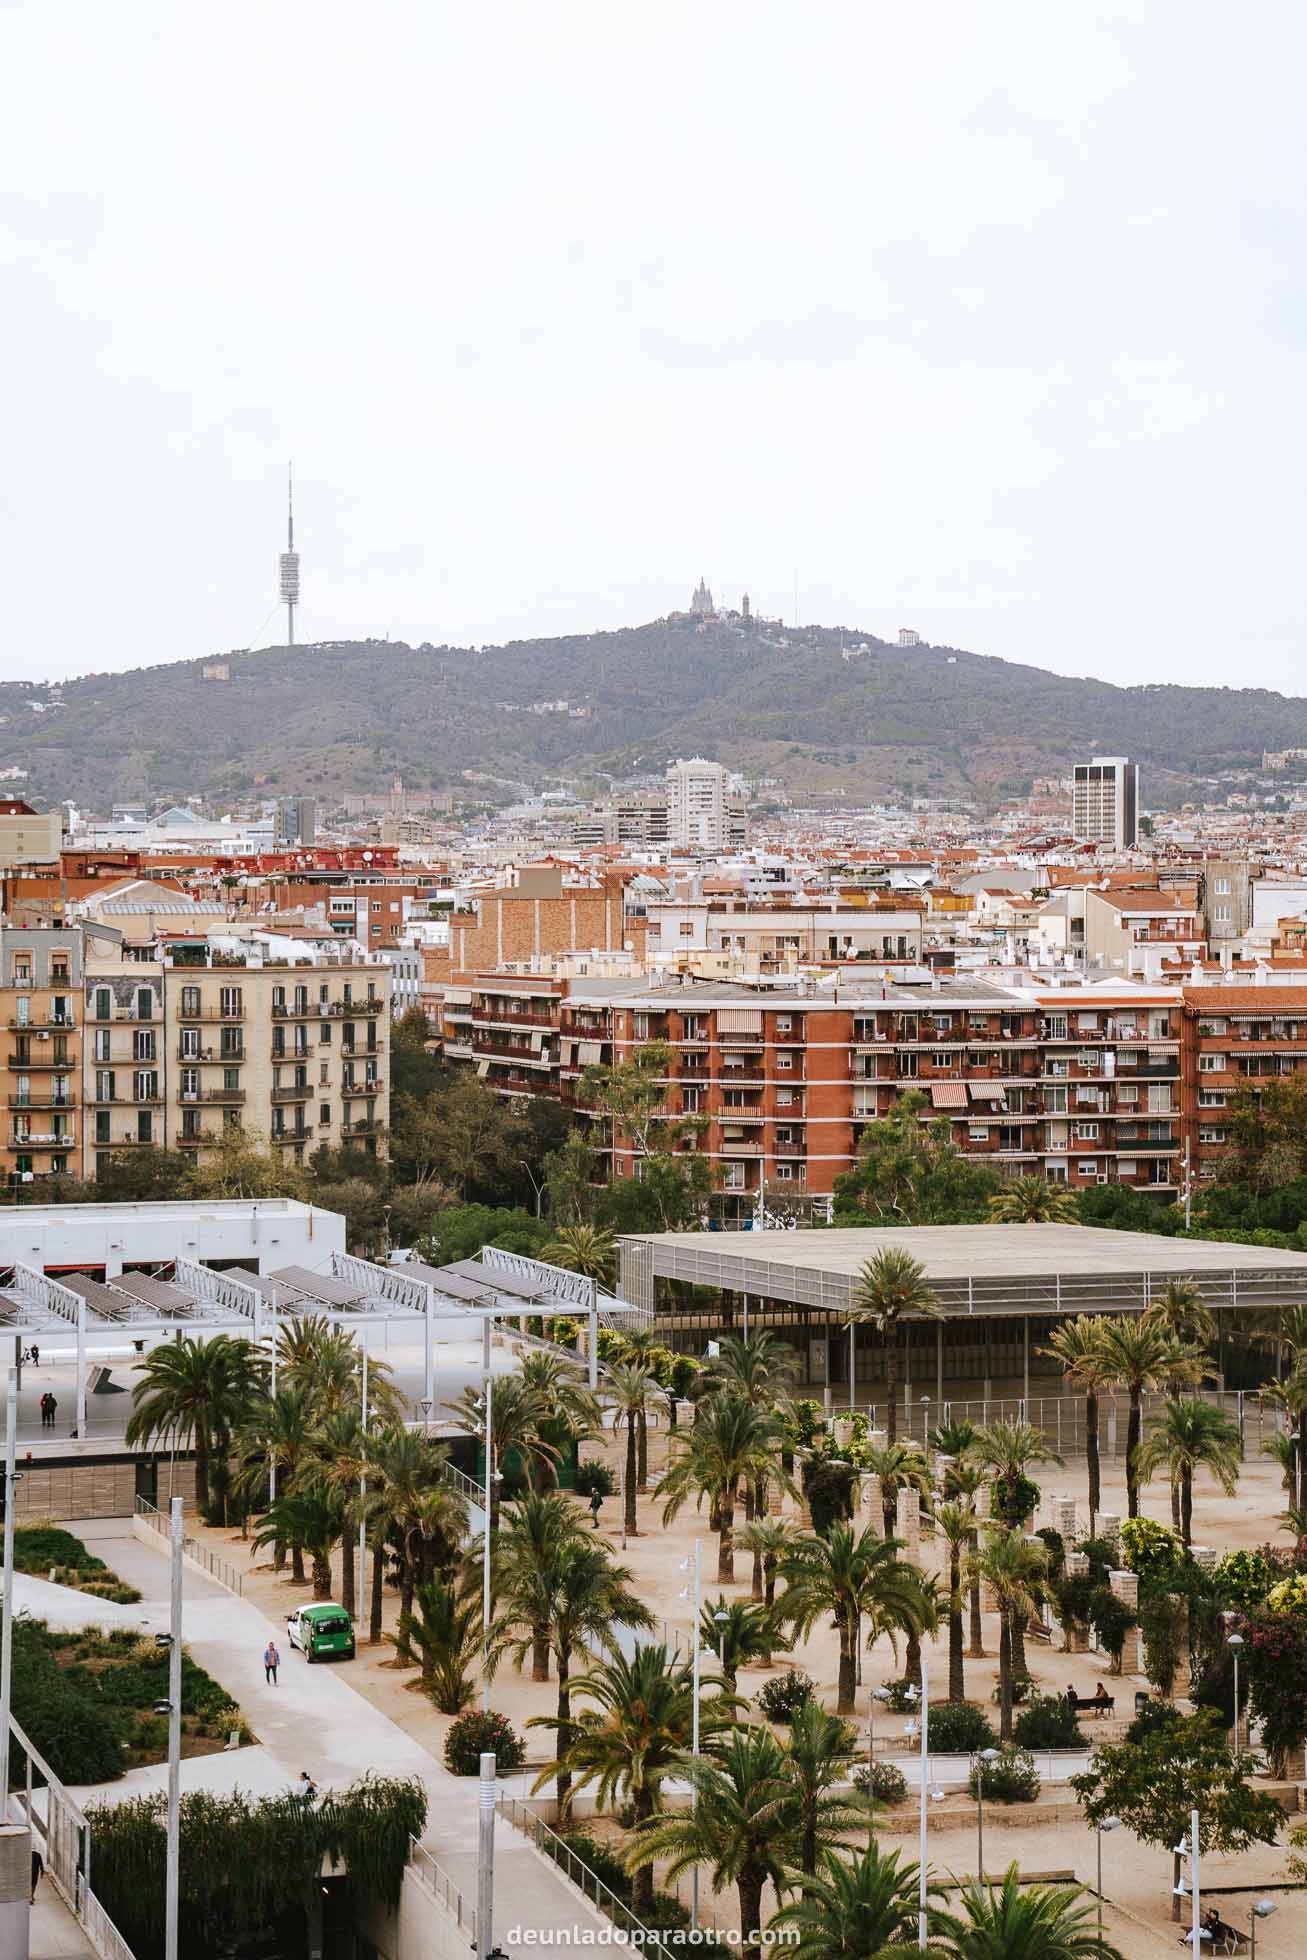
<point x="282" y="1055"/>
<point x="35" y="1100"/>
<point x="283" y="1012"/>
<point x="296" y="1092"/>
<point x="741" y="1147"/>
<point x="293" y="1136"/>
<point x="43" y="1057"/>
<point x="365" y="1127"/>
<point x="212" y="1014"/>
<point x="197" y="1139"/>
<point x="224" y="1096"/>
<point x="510" y="1017"/>
<point x="197" y="1057"/>
<point x="40" y="1140"/>
<point x="39" y="1020"/>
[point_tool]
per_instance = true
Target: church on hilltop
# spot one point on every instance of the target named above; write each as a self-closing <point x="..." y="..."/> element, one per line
<point x="701" y="605"/>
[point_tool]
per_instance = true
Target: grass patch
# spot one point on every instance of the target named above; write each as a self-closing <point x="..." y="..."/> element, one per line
<point x="47" y="1552"/>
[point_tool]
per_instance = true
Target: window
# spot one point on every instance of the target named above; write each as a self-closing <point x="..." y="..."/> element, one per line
<point x="190" y="1000"/>
<point x="1211" y="1135"/>
<point x="324" y="1114"/>
<point x="190" y="1084"/>
<point x="103" y="1003"/>
<point x="324" y="1034"/>
<point x="190" y="1125"/>
<point x="1213" y="1064"/>
<point x="103" y="1045"/>
<point x="784" y="1172"/>
<point x="1055" y="1100"/>
<point x="144" y="1126"/>
<point x="1089" y="1167"/>
<point x="1222" y="915"/>
<point x="691" y="1101"/>
<point x="190" y="1044"/>
<point x="977" y="1134"/>
<point x="279" y="1000"/>
<point x="324" y="1072"/>
<point x="143" y="1045"/>
<point x="102" y="1130"/>
<point x="785" y="1061"/>
<point x="230" y="1002"/>
<point x="145" y="1085"/>
<point x="231" y="1078"/>
<point x="104" y="1089"/>
<point x="1210" y="1099"/>
<point x="1222" y="887"/>
<point x="784" y="1023"/>
<point x="229" y="1042"/>
<point x="144" y="1003"/>
<point x="1085" y="1132"/>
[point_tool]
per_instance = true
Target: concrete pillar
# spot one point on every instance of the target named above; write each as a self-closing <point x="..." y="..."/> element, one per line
<point x="1109" y="1527"/>
<point x="1125" y="1585"/>
<point x="1062" y="1517"/>
<point x="15" y="1890"/>
<point x="908" y="1523"/>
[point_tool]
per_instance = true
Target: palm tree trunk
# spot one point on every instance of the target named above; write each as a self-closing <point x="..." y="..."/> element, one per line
<point x="887" y="1510"/>
<point x="642" y="1437"/>
<point x="202" y="1472"/>
<point x="348" y="1591"/>
<point x="563" y="1786"/>
<point x="891" y="1391"/>
<point x="1132" y="1435"/>
<point x="956" y="1675"/>
<point x="321" y="1575"/>
<point x="297" y="1564"/>
<point x="847" y="1676"/>
<point x="749" y="1885"/>
<point x="1005" y="1678"/>
<point x="769" y="1583"/>
<point x="1017" y="1622"/>
<point x="1093" y="1460"/>
<point x="726" y="1540"/>
<point x="912" y="1658"/>
<point x="976" y="1647"/>
<point x="1175" y="1507"/>
<point x="755" y="1587"/>
<point x="540" y="1650"/>
<point x="642" y="1887"/>
<point x="808" y="1842"/>
<point x="378" y="1577"/>
<point x="628" y="1518"/>
<point x="1186" y="1494"/>
<point x="403" y="1647"/>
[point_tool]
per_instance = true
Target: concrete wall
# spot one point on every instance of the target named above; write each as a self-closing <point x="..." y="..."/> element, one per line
<point x="105" y="1489"/>
<point x="420" y="1929"/>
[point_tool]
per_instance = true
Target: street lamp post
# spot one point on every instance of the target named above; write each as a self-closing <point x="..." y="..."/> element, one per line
<point x="925" y="1779"/>
<point x="694" y="1716"/>
<point x="485" y="1556"/>
<point x="722" y="1620"/>
<point x="1234" y="1642"/>
<point x="7" y="1636"/>
<point x="172" y="1708"/>
<point x="1262" y="1910"/>
<point x="1108" y="1824"/>
<point x="981" y="1760"/>
<point x="877" y="1695"/>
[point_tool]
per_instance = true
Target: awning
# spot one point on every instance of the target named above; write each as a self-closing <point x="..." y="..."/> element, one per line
<point x="590" y="1052"/>
<point x="948" y="1095"/>
<point x="985" y="1092"/>
<point x="739" y="1020"/>
<point x="483" y="1066"/>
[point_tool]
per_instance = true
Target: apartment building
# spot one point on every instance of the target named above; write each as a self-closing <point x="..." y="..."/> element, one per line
<point x="291" y="1049"/>
<point x="773" y="934"/>
<point x="1235" y="1036"/>
<point x="1132" y="931"/>
<point x="696" y="806"/>
<point x="41" y="992"/>
<point x="1079" y="1084"/>
<point x="1105" y="802"/>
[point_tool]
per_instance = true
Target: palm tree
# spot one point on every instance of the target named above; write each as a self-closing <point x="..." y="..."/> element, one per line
<point x="890" y="1287"/>
<point x="568" y="1408"/>
<point x="768" y="1539"/>
<point x="896" y="1466"/>
<point x="1179" y="1311"/>
<point x="300" y="1518"/>
<point x="757" y="1366"/>
<point x="1289" y="1392"/>
<point x="1034" y="1922"/>
<point x="196" y="1390"/>
<point x="526" y="1551"/>
<point x="332" y="1468"/>
<point x="1142" y="1356"/>
<point x="631" y="1388"/>
<point x="590" y="1598"/>
<point x="730" y="1440"/>
<point x="818" y="1756"/>
<point x="952" y="1439"/>
<point x="644" y="1348"/>
<point x="924" y="1619"/>
<point x="409" y="1502"/>
<point x="956" y="1524"/>
<point x="848" y="1577"/>
<point x="315" y="1354"/>
<point x="1009" y="1449"/>
<point x="1077" y="1346"/>
<point x="739" y="1633"/>
<point x="276" y="1433"/>
<point x="966" y="1481"/>
<point x="1188" y="1437"/>
<point x="852" y="1909"/>
<point x="1013" y="1567"/>
<point x="740" y="1791"/>
<point x="584" y="1249"/>
<point x="1285" y="1452"/>
<point x="516" y="1415"/>
<point x="446" y="1630"/>
<point x="1034" y="1200"/>
<point x="639" y="1724"/>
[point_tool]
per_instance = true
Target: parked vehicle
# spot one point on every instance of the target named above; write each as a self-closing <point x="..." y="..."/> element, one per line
<point x="321" y="1633"/>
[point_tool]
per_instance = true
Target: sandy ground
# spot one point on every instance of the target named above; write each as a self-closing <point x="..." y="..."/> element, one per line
<point x="1136" y="1877"/>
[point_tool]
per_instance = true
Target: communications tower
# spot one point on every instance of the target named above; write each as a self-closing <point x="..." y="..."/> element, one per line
<point x="290" y="564"/>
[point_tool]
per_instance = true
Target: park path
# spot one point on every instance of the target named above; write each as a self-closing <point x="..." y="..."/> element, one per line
<point x="312" y="1719"/>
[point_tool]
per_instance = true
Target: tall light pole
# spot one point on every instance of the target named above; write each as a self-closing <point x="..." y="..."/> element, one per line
<point x="982" y="1761"/>
<point x="272" y="1452"/>
<point x="486" y="1859"/>
<point x="1234" y="1643"/>
<point x="363" y="1483"/>
<point x="925" y="1778"/>
<point x="1262" y="1910"/>
<point x="485" y="1554"/>
<point x="877" y="1695"/>
<point x="1108" y="1824"/>
<point x="172" y="1708"/>
<point x="7" y="1625"/>
<point x="694" y="1715"/>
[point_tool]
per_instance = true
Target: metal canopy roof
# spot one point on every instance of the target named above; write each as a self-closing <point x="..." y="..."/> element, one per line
<point x="323" y="1287"/>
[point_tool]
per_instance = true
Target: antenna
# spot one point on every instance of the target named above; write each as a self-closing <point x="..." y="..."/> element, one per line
<point x="290" y="563"/>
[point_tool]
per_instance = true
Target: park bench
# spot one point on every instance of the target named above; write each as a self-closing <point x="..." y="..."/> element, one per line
<point x="1099" y="1705"/>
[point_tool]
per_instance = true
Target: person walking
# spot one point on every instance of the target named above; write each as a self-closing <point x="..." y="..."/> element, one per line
<point x="52" y="1406"/>
<point x="306" y="1789"/>
<point x="36" y="1355"/>
<point x="38" y="1866"/>
<point x="271" y="1662"/>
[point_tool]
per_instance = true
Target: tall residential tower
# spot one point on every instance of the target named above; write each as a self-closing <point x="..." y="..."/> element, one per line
<point x="1105" y="802"/>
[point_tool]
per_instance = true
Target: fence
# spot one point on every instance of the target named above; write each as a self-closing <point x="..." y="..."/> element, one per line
<point x="62" y="1832"/>
<point x="216" y="1568"/>
<point x="443" y="1889"/>
<point x="1061" y="1418"/>
<point x="586" y="1881"/>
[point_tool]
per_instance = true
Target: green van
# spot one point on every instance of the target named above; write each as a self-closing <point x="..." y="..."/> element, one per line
<point x="323" y="1632"/>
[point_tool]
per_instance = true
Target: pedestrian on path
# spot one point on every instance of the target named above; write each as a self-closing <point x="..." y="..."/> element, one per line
<point x="38" y="1866"/>
<point x="271" y="1662"/>
<point x="306" y="1789"/>
<point x="36" y="1355"/>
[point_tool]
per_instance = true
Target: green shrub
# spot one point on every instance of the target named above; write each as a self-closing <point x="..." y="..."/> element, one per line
<point x="1150" y="1549"/>
<point x="477" y="1732"/>
<point x="600" y="1859"/>
<point x="828" y="1485"/>
<point x="1049" y="1722"/>
<point x="900" y="1696"/>
<point x="1245" y="1578"/>
<point x="1102" y="1557"/>
<point x="594" y="1476"/>
<point x="882" y="1781"/>
<point x="1152" y="1716"/>
<point x="1055" y="1545"/>
<point x="1014" y="1497"/>
<point x="781" y="1698"/>
<point x="959" y="1727"/>
<point x="1012" y="1779"/>
<point x="1111" y="1620"/>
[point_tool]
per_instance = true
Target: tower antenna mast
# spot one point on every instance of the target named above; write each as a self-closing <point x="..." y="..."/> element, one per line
<point x="290" y="563"/>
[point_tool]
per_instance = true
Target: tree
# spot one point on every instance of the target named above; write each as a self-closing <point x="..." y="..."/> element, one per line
<point x="850" y="1577"/>
<point x="1179" y="1311"/>
<point x="1034" y="1922"/>
<point x="631" y="1388"/>
<point x="1014" y="1570"/>
<point x="819" y="1755"/>
<point x="515" y="1428"/>
<point x="739" y="1632"/>
<point x="276" y="1432"/>
<point x="408" y="1503"/>
<point x="1034" y="1200"/>
<point x="446" y="1630"/>
<point x="891" y="1287"/>
<point x="896" y="1467"/>
<point x="299" y="1518"/>
<point x="332" y="1468"/>
<point x="910" y="1172"/>
<point x="631" y="1094"/>
<point x="196" y="1391"/>
<point x="1266" y="1133"/>
<point x="534" y="1536"/>
<point x="584" y="1249"/>
<point x="569" y="1412"/>
<point x="1154" y="1782"/>
<point x="852" y="1909"/>
<point x="740" y="1792"/>
<point x="757" y="1367"/>
<point x="1188" y="1437"/>
<point x="458" y="1138"/>
<point x="631" y="1736"/>
<point x="1077" y="1345"/>
<point x="590" y="1599"/>
<point x="965" y="1481"/>
<point x="238" y="1165"/>
<point x="768" y="1539"/>
<point x="569" y="1174"/>
<point x="955" y="1523"/>
<point x="730" y="1441"/>
<point x="1140" y="1357"/>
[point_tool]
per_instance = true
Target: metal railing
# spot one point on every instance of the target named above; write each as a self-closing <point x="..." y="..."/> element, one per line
<point x="575" y="1869"/>
<point x="217" y="1568"/>
<point x="100" y="1930"/>
<point x="466" y="1486"/>
<point x="61" y="1831"/>
<point x="443" y="1889"/>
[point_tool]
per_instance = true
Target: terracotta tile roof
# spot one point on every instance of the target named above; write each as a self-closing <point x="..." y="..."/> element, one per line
<point x="1273" y="999"/>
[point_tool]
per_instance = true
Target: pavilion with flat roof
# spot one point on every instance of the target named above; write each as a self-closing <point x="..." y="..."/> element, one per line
<point x="1003" y="1288"/>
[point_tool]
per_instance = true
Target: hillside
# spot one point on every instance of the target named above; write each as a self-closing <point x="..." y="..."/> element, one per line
<point x="339" y="717"/>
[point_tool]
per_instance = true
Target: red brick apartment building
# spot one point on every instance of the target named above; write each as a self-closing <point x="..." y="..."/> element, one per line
<point x="1235" y="1035"/>
<point x="1080" y="1084"/>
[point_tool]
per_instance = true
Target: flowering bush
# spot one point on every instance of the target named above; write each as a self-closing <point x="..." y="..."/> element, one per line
<point x="1245" y="1578"/>
<point x="1290" y="1596"/>
<point x="1149" y="1549"/>
<point x="1277" y="1684"/>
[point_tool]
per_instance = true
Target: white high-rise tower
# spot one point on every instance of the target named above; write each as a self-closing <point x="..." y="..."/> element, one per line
<point x="290" y="564"/>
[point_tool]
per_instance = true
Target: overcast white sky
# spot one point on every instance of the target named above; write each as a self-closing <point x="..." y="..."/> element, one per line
<point x="988" y="319"/>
